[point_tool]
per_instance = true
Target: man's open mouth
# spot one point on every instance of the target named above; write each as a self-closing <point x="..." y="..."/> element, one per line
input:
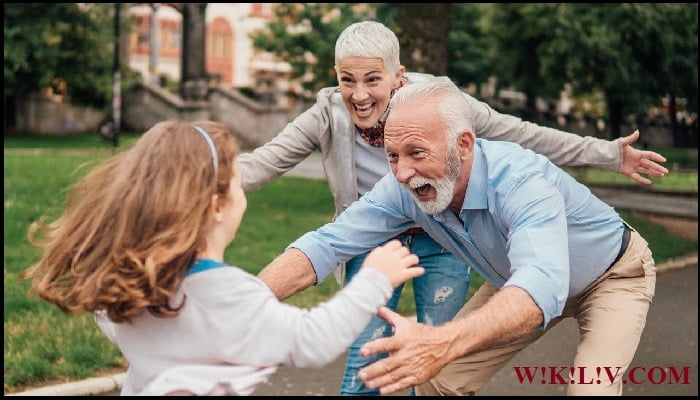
<point x="422" y="190"/>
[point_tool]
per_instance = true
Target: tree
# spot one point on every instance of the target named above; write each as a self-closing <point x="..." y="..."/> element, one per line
<point x="469" y="45"/>
<point x="48" y="41"/>
<point x="422" y="29"/>
<point x="623" y="50"/>
<point x="304" y="35"/>
<point x="424" y="36"/>
<point x="58" y="45"/>
<point x="681" y="78"/>
<point x="522" y="34"/>
<point x="633" y="53"/>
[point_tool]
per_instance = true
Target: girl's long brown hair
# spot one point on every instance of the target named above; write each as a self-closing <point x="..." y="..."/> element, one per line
<point x="132" y="226"/>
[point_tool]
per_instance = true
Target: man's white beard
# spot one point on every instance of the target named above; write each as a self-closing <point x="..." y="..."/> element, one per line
<point x="444" y="187"/>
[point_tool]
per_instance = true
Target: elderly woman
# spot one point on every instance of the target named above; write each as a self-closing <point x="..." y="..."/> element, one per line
<point x="346" y="124"/>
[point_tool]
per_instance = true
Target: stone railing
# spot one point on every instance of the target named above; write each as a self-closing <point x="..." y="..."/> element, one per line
<point x="145" y="105"/>
<point x="40" y="114"/>
<point x="255" y="123"/>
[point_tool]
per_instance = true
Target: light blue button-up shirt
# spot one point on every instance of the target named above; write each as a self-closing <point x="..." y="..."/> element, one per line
<point x="526" y="223"/>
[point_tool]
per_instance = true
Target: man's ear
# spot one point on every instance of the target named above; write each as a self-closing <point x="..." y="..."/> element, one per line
<point x="465" y="144"/>
<point x="216" y="208"/>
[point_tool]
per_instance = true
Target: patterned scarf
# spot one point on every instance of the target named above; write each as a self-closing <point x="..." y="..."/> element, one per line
<point x="374" y="136"/>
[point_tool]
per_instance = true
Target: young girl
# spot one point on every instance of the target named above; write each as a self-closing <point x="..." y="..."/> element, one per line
<point x="141" y="244"/>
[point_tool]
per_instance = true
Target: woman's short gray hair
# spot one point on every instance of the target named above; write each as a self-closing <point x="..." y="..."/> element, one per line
<point x="369" y="39"/>
<point x="452" y="105"/>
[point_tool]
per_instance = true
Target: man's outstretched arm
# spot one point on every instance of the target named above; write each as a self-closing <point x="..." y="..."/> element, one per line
<point x="289" y="273"/>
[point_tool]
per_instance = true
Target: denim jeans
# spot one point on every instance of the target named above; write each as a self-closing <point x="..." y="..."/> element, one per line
<point x="439" y="294"/>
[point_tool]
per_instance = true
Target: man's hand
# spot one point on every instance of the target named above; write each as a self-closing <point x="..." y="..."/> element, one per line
<point x="636" y="161"/>
<point x="417" y="353"/>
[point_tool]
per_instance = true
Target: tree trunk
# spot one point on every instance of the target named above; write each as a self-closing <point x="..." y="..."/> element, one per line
<point x="193" y="84"/>
<point x="422" y="34"/>
<point x="10" y="112"/>
<point x="614" y="117"/>
<point x="530" y="113"/>
<point x="678" y="140"/>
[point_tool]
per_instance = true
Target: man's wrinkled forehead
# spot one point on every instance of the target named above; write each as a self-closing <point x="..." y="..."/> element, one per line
<point x="404" y="114"/>
<point x="410" y="121"/>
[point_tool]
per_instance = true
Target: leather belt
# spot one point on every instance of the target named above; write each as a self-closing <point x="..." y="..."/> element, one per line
<point x="625" y="242"/>
<point x="411" y="232"/>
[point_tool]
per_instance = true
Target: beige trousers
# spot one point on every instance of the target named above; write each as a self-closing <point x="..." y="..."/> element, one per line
<point x="611" y="314"/>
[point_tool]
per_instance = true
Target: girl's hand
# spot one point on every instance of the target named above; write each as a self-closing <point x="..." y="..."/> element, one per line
<point x="395" y="261"/>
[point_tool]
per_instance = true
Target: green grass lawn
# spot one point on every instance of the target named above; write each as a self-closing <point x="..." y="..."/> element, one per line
<point x="42" y="344"/>
<point x="681" y="162"/>
<point x="675" y="181"/>
<point x="78" y="141"/>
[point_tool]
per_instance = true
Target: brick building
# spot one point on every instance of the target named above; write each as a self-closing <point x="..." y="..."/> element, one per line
<point x="155" y="38"/>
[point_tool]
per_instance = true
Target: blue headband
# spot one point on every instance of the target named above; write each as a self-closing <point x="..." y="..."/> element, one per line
<point x="212" y="148"/>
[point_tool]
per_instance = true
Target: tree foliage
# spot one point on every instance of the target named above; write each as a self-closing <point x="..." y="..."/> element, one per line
<point x="624" y="51"/>
<point x="522" y="35"/>
<point x="470" y="47"/>
<point x="681" y="76"/>
<point x="304" y="35"/>
<point x="614" y="49"/>
<point x="46" y="44"/>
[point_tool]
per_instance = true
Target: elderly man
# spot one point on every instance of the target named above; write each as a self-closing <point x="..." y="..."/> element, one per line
<point x="547" y="247"/>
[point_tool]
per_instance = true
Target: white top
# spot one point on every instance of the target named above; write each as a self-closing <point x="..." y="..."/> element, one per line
<point x="233" y="333"/>
<point x="370" y="165"/>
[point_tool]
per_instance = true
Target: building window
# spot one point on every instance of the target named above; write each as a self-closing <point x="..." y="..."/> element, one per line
<point x="261" y="10"/>
<point x="170" y="38"/>
<point x="220" y="50"/>
<point x="140" y="36"/>
<point x="256" y="10"/>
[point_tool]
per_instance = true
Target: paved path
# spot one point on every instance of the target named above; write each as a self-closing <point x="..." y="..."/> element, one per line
<point x="645" y="201"/>
<point x="311" y="168"/>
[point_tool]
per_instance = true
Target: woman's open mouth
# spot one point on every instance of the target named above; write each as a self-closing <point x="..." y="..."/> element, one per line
<point x="364" y="111"/>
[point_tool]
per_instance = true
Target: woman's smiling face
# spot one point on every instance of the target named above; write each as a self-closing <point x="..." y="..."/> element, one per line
<point x="365" y="86"/>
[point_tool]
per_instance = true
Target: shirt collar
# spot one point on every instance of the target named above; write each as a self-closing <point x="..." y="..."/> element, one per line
<point x="476" y="190"/>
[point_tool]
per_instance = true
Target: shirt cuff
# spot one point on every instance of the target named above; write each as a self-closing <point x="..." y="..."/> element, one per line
<point x="539" y="286"/>
<point x="322" y="256"/>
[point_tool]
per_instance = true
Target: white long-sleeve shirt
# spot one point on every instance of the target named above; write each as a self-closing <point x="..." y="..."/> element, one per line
<point x="233" y="333"/>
